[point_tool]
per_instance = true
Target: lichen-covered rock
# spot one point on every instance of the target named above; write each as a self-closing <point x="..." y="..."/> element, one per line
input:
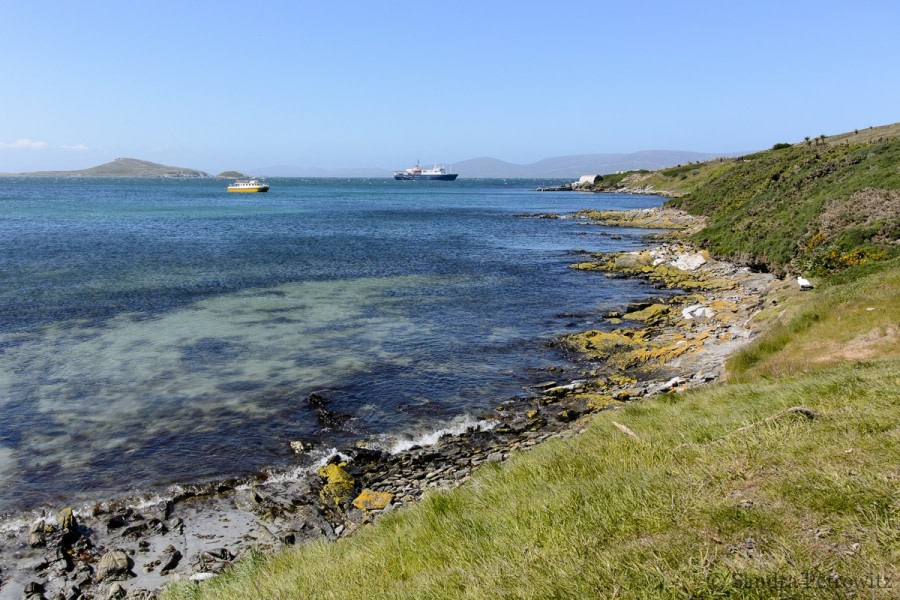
<point x="66" y="519"/>
<point x="651" y="315"/>
<point x="567" y="415"/>
<point x="601" y="345"/>
<point x="371" y="500"/>
<point x="338" y="486"/>
<point x="597" y="401"/>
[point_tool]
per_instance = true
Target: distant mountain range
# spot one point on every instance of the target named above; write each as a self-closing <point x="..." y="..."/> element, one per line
<point x="560" y="167"/>
<point x="575" y="166"/>
<point x="121" y="167"/>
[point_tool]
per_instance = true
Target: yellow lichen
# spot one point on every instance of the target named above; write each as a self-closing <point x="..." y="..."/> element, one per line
<point x="372" y="500"/>
<point x="652" y="314"/>
<point x="338" y="486"/>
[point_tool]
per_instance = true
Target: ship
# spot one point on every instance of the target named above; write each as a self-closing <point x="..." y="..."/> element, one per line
<point x="248" y="185"/>
<point x="417" y="173"/>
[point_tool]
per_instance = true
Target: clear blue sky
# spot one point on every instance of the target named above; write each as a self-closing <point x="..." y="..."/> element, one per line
<point x="222" y="85"/>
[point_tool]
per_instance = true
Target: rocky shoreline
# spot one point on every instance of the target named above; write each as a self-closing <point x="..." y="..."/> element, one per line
<point x="665" y="344"/>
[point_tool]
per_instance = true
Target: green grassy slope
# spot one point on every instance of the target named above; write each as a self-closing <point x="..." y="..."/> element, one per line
<point x="815" y="208"/>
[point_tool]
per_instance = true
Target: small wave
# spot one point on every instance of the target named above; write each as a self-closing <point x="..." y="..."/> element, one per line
<point x="457" y="427"/>
<point x="319" y="458"/>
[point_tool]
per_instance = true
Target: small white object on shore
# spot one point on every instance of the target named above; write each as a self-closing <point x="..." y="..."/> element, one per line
<point x="804" y="283"/>
<point x="202" y="576"/>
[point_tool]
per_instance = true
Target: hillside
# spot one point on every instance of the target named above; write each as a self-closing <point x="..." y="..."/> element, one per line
<point x="816" y="206"/>
<point x="815" y="209"/>
<point x="121" y="167"/>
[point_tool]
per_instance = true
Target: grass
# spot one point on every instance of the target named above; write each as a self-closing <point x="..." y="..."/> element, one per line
<point x="854" y="316"/>
<point x="697" y="507"/>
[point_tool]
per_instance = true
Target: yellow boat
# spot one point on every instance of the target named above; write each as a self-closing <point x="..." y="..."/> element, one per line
<point x="248" y="185"/>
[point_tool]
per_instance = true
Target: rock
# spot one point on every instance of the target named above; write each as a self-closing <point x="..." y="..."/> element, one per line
<point x="176" y="525"/>
<point x="672" y="383"/>
<point x="247" y="500"/>
<point x="300" y="447"/>
<point x="265" y="536"/>
<point x="544" y="385"/>
<point x="688" y="262"/>
<point x="339" y="484"/>
<point x="366" y="456"/>
<point x="637" y="306"/>
<point x="115" y="522"/>
<point x="68" y="525"/>
<point x="203" y="576"/>
<point x="562" y="390"/>
<point x="317" y="400"/>
<point x="135" y="531"/>
<point x="651" y="314"/>
<point x="113" y="566"/>
<point x="217" y="554"/>
<point x="331" y="419"/>
<point x="34" y="589"/>
<point x="567" y="415"/>
<point x="116" y="592"/>
<point x="36" y="537"/>
<point x="169" y="563"/>
<point x="495" y="457"/>
<point x="697" y="311"/>
<point x="369" y="500"/>
<point x="74" y="593"/>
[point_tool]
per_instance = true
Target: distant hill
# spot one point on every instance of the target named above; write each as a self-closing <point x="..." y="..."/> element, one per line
<point x="574" y="166"/>
<point x="121" y="167"/>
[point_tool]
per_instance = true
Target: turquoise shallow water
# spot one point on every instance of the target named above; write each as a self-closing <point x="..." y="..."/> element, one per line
<point x="155" y="332"/>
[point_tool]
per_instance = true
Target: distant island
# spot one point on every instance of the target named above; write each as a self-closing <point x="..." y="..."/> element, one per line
<point x="121" y="167"/>
<point x="230" y="175"/>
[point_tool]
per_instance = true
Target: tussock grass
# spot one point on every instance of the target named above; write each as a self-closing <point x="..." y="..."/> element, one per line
<point x="694" y="508"/>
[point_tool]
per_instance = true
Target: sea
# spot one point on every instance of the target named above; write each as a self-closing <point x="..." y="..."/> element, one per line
<point x="161" y="332"/>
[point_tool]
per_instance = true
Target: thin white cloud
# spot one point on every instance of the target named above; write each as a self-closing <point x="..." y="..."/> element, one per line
<point x="76" y="147"/>
<point x="23" y="144"/>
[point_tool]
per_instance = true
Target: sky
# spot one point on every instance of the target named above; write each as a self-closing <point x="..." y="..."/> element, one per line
<point x="248" y="85"/>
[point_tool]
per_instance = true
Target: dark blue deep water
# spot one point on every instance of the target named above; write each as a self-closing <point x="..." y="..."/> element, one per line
<point x="155" y="332"/>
